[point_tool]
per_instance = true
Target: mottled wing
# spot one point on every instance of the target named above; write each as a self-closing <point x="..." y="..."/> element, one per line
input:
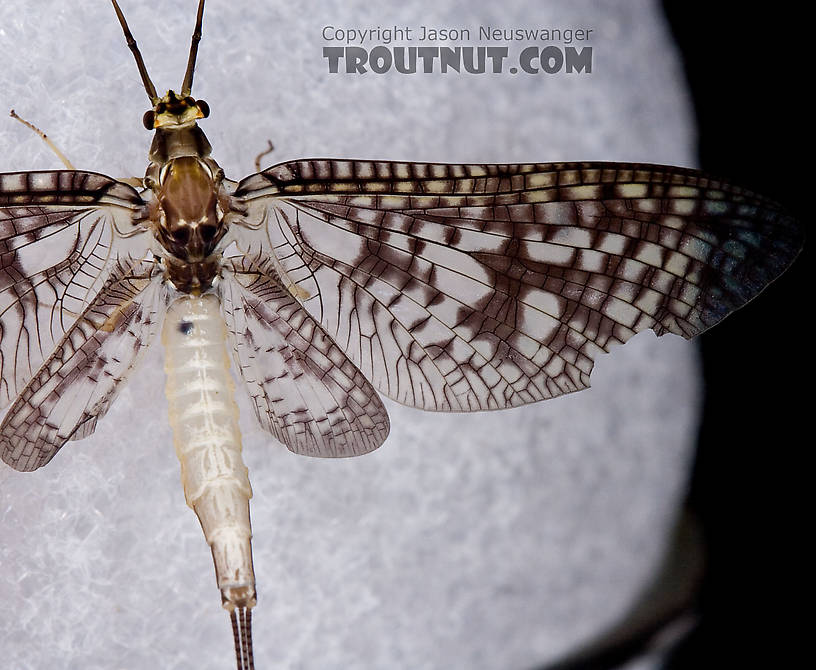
<point x="71" y="269"/>
<point x="60" y="234"/>
<point x="464" y="287"/>
<point x="77" y="383"/>
<point x="305" y="391"/>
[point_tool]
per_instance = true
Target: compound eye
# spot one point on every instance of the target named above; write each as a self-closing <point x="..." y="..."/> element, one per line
<point x="148" y="119"/>
<point x="204" y="108"/>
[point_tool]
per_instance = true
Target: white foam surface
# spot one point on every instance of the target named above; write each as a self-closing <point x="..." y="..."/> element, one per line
<point x="495" y="540"/>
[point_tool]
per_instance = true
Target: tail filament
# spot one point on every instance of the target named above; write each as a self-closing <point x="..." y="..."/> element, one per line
<point x="241" y="619"/>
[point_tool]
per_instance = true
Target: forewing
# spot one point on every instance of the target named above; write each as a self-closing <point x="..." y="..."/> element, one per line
<point x="463" y="287"/>
<point x="77" y="383"/>
<point x="306" y="392"/>
<point x="61" y="234"/>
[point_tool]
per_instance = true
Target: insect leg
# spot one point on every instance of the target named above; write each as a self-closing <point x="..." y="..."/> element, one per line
<point x="44" y="138"/>
<point x="265" y="152"/>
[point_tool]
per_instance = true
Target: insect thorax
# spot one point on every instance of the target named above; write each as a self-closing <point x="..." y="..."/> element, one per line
<point x="172" y="143"/>
<point x="189" y="206"/>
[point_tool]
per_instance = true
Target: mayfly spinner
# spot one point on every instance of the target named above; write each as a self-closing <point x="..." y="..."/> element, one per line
<point x="444" y="287"/>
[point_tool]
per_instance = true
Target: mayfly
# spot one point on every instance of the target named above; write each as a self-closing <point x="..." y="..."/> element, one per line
<point x="445" y="287"/>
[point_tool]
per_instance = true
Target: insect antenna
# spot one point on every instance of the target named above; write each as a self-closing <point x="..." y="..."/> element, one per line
<point x="187" y="85"/>
<point x="241" y="619"/>
<point x="131" y="42"/>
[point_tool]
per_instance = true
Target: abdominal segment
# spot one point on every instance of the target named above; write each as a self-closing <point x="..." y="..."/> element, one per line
<point x="204" y="418"/>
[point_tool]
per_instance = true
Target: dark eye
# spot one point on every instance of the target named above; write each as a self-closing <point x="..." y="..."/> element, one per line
<point x="148" y="119"/>
<point x="208" y="233"/>
<point x="204" y="107"/>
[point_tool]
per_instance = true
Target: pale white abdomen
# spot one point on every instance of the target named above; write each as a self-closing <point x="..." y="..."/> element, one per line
<point x="204" y="418"/>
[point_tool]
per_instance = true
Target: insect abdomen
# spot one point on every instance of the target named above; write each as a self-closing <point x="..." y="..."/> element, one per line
<point x="204" y="418"/>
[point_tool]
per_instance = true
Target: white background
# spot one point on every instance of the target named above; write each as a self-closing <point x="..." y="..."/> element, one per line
<point x="497" y="540"/>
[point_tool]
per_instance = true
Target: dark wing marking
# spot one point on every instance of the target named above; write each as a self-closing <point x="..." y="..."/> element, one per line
<point x="75" y="386"/>
<point x="305" y="391"/>
<point x="463" y="287"/>
<point x="61" y="233"/>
